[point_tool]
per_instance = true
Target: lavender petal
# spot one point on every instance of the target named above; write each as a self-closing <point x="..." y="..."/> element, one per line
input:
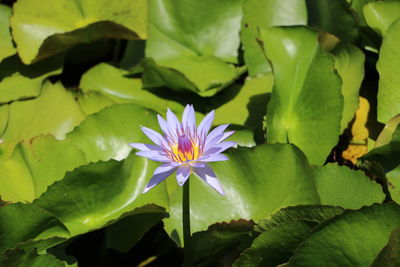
<point x="189" y="118"/>
<point x="173" y="123"/>
<point x="141" y="146"/>
<point x="159" y="175"/>
<point x="205" y="124"/>
<point x="213" y="157"/>
<point x="153" y="155"/>
<point x="221" y="147"/>
<point x="157" y="138"/>
<point x="208" y="175"/>
<point x="216" y="132"/>
<point x="182" y="174"/>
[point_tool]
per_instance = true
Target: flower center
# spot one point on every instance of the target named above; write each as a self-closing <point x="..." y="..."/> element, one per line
<point x="186" y="149"/>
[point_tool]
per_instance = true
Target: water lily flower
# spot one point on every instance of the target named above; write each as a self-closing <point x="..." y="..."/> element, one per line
<point x="185" y="148"/>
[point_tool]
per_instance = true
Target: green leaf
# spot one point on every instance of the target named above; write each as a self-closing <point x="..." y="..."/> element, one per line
<point x="219" y="241"/>
<point x="19" y="81"/>
<point x="386" y="155"/>
<point x="32" y="259"/>
<point x="389" y="77"/>
<point x="106" y="135"/>
<point x="35" y="165"/>
<point x="304" y="78"/>
<point x="255" y="186"/>
<point x="103" y="136"/>
<point x="357" y="6"/>
<point x="6" y="46"/>
<point x="283" y="233"/>
<point x="353" y="238"/>
<point x="51" y="27"/>
<point x="43" y="115"/>
<point x="258" y="14"/>
<point x="333" y="16"/>
<point x="390" y="254"/>
<point x="245" y="105"/>
<point x="349" y="62"/>
<point x="124" y="234"/>
<point x="198" y="42"/>
<point x="341" y="186"/>
<point x="93" y="195"/>
<point x="113" y="83"/>
<point x="380" y="15"/>
<point x="22" y="223"/>
<point x="92" y="102"/>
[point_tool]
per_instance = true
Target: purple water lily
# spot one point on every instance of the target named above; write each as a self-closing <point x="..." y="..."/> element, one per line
<point x="184" y="148"/>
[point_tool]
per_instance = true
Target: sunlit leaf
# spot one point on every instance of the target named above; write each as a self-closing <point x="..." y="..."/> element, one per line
<point x="6" y="46"/>
<point x="257" y="14"/>
<point x="381" y="14"/>
<point x="43" y="115"/>
<point x="198" y="42"/>
<point x="304" y="78"/>
<point x="51" y="27"/>
<point x="341" y="186"/>
<point x="114" y="83"/>
<point x="349" y="62"/>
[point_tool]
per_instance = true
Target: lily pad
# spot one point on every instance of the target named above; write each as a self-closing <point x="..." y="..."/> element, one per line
<point x="349" y="62"/>
<point x="333" y="16"/>
<point x="198" y="42"/>
<point x="255" y="187"/>
<point x="380" y="15"/>
<point x="341" y="186"/>
<point x="6" y="46"/>
<point x="353" y="238"/>
<point x="114" y="83"/>
<point x="258" y="14"/>
<point x="304" y="78"/>
<point x="389" y="77"/>
<point x="51" y="27"/>
<point x="283" y="233"/>
<point x="36" y="224"/>
<point x="43" y="115"/>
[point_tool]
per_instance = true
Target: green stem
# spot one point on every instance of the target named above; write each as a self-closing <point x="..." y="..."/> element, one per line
<point x="186" y="213"/>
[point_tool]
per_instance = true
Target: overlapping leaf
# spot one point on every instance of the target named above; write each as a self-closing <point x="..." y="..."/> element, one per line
<point x="304" y="78"/>
<point x="196" y="46"/>
<point x="51" y="27"/>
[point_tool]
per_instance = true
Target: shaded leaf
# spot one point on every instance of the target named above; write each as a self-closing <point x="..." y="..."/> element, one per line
<point x="52" y="27"/>
<point x="283" y="233"/>
<point x="353" y="238"/>
<point x="219" y="241"/>
<point x="20" y="223"/>
<point x="31" y="258"/>
<point x="390" y="254"/>
<point x="333" y="16"/>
